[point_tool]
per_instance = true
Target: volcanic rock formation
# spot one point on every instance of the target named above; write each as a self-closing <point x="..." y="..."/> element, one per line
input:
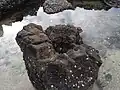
<point x="54" y="6"/>
<point x="14" y="10"/>
<point x="113" y="3"/>
<point x="1" y="31"/>
<point x="57" y="58"/>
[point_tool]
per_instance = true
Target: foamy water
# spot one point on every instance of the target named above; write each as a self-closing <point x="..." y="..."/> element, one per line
<point x="101" y="29"/>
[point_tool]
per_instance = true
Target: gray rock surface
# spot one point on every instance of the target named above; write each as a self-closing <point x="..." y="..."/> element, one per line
<point x="1" y="31"/>
<point x="113" y="3"/>
<point x="51" y="65"/>
<point x="14" y="10"/>
<point x="55" y="6"/>
<point x="90" y="4"/>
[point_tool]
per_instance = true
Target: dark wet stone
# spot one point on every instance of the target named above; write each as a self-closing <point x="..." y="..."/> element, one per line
<point x="55" y="6"/>
<point x="90" y="4"/>
<point x="14" y="10"/>
<point x="64" y="37"/>
<point x="113" y="3"/>
<point x="1" y="31"/>
<point x="31" y="34"/>
<point x="57" y="59"/>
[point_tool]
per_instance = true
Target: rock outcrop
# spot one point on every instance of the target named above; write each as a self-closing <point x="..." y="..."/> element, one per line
<point x="54" y="6"/>
<point x="57" y="58"/>
<point x="90" y="4"/>
<point x="113" y="3"/>
<point x="1" y="31"/>
<point x="14" y="10"/>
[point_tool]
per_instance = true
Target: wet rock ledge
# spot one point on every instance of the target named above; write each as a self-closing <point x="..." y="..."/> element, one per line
<point x="14" y="10"/>
<point x="57" y="58"/>
<point x="55" y="6"/>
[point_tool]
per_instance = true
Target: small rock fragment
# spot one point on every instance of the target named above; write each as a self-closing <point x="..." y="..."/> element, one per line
<point x="1" y="31"/>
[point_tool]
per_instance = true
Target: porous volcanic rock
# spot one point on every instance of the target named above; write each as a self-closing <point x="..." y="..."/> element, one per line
<point x="64" y="37"/>
<point x="55" y="6"/>
<point x="90" y="4"/>
<point x="14" y="10"/>
<point x="57" y="59"/>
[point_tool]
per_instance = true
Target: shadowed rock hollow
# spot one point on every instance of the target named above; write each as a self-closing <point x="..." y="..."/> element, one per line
<point x="57" y="59"/>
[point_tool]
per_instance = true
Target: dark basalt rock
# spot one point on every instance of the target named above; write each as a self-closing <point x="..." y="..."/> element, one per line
<point x="57" y="59"/>
<point x="113" y="3"/>
<point x="54" y="6"/>
<point x="14" y="10"/>
<point x="64" y="37"/>
<point x="90" y="4"/>
<point x="1" y="31"/>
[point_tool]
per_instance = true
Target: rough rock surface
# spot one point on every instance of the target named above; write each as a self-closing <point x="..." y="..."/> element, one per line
<point x="64" y="37"/>
<point x="1" y="31"/>
<point x="113" y="3"/>
<point x="14" y="10"/>
<point x="57" y="59"/>
<point x="90" y="4"/>
<point x="54" y="6"/>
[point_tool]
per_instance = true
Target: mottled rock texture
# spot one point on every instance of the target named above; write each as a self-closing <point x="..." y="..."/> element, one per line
<point x="54" y="6"/>
<point x="14" y="10"/>
<point x="57" y="58"/>
<point x="90" y="4"/>
<point x="1" y="31"/>
<point x="113" y="3"/>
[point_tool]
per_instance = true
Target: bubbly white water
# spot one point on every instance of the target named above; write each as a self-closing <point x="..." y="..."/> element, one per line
<point x="98" y="28"/>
